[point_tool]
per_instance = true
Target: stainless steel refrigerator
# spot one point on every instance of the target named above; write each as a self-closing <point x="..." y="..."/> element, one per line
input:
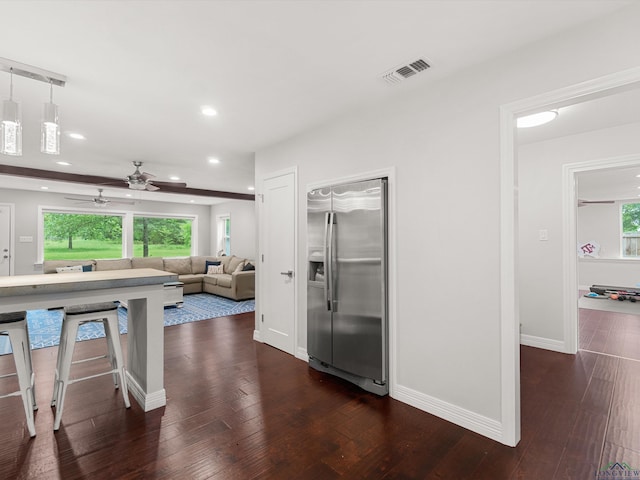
<point x="347" y="331"/>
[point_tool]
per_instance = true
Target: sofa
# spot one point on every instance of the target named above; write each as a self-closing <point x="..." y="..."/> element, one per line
<point x="236" y="281"/>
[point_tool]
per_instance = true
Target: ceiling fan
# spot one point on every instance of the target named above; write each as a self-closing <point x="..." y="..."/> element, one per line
<point x="143" y="181"/>
<point x="100" y="201"/>
<point x="582" y="203"/>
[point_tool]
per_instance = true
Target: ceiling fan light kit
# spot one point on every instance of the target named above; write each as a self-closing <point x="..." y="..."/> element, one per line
<point x="11" y="129"/>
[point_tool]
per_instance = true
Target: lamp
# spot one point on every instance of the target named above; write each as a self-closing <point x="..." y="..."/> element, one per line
<point x="11" y="128"/>
<point x="50" y="128"/>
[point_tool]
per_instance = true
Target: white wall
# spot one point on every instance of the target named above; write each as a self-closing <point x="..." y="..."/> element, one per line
<point x="443" y="140"/>
<point x="243" y="227"/>
<point x="540" y="207"/>
<point x="26" y="221"/>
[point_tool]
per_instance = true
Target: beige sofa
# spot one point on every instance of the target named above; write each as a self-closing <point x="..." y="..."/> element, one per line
<point x="234" y="282"/>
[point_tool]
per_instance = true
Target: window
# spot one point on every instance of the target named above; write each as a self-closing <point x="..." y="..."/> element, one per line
<point x="81" y="235"/>
<point x="224" y="234"/>
<point x="631" y="230"/>
<point x="65" y="234"/>
<point x="161" y="237"/>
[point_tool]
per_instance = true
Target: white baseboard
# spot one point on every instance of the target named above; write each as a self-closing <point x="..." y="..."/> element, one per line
<point x="302" y="354"/>
<point x="148" y="401"/>
<point x="460" y="416"/>
<point x="544" y="343"/>
<point x="256" y="336"/>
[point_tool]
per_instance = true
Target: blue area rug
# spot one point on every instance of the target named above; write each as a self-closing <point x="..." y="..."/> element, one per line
<point x="44" y="325"/>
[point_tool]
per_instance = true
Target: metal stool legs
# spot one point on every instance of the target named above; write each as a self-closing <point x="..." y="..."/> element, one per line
<point x="74" y="317"/>
<point x="15" y="326"/>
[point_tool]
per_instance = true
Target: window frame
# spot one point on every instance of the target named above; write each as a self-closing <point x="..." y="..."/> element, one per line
<point x="623" y="255"/>
<point x="127" y="225"/>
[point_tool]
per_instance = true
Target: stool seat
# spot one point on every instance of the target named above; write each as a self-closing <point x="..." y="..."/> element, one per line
<point x="90" y="308"/>
<point x="14" y="325"/>
<point x="12" y="317"/>
<point x="74" y="316"/>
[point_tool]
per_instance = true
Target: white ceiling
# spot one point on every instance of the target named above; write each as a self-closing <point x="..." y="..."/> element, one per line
<point x="138" y="72"/>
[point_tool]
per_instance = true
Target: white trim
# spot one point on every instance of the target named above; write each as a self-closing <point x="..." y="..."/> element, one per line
<point x="510" y="374"/>
<point x="148" y="402"/>
<point x="390" y="174"/>
<point x="12" y="235"/>
<point x="460" y="416"/>
<point x="541" y="342"/>
<point x="286" y="171"/>
<point x="302" y="354"/>
<point x="256" y="336"/>
<point x="570" y="239"/>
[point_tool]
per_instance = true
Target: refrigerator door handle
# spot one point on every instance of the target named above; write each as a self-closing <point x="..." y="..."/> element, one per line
<point x="328" y="246"/>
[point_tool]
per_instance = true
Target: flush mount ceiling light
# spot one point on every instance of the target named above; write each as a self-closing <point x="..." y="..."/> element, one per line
<point x="208" y="111"/>
<point x="11" y="130"/>
<point x="537" y="119"/>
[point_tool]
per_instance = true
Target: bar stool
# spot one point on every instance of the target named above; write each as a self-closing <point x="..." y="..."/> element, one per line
<point x="14" y="325"/>
<point x="74" y="316"/>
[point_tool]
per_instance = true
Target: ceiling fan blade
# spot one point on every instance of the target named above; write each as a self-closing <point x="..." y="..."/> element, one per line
<point x="146" y="176"/>
<point x="122" y="202"/>
<point x="79" y="199"/>
<point x="582" y="203"/>
<point x="171" y="184"/>
<point x="151" y="188"/>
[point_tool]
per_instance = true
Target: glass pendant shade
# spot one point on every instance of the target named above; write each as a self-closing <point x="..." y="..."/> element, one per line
<point x="50" y="130"/>
<point x="11" y="128"/>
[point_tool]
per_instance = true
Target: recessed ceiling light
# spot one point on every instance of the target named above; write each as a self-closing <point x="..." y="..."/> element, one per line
<point x="44" y="188"/>
<point x="173" y="177"/>
<point x="208" y="111"/>
<point x="536" y="119"/>
<point x="192" y="201"/>
<point x="213" y="160"/>
<point x="128" y="195"/>
<point x="65" y="164"/>
<point x="75" y="135"/>
<point x="251" y="188"/>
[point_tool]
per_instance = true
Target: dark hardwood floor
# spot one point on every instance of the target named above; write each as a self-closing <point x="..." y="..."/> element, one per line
<point x="609" y="332"/>
<point x="238" y="409"/>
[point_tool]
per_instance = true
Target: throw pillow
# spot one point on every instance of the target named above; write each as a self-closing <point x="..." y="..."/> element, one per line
<point x="239" y="267"/>
<point x="214" y="269"/>
<point x="208" y="263"/>
<point x="75" y="268"/>
<point x="248" y="266"/>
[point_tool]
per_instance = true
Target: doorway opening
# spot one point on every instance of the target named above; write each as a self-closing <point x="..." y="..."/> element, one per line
<point x="510" y="252"/>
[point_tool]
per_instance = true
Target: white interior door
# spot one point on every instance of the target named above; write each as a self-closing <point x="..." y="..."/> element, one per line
<point x="5" y="240"/>
<point x="277" y="311"/>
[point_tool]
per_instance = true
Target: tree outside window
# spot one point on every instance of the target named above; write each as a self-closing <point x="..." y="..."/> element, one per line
<point x="161" y="237"/>
<point x="79" y="236"/>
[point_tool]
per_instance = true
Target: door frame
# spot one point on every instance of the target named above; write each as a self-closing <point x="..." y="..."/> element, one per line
<point x="509" y="294"/>
<point x="12" y="235"/>
<point x="257" y="333"/>
<point x="570" y="237"/>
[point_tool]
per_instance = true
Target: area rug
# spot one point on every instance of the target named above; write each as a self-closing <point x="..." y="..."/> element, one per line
<point x="44" y="325"/>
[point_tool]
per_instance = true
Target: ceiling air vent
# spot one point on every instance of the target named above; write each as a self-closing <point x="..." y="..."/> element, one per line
<point x="403" y="72"/>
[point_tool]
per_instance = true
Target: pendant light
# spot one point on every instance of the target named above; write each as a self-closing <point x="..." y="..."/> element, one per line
<point x="50" y="127"/>
<point x="11" y="127"/>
